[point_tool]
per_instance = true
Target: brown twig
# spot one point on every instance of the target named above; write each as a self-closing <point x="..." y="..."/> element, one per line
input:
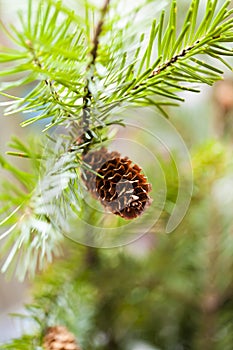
<point x="98" y="31"/>
<point x="93" y="53"/>
<point x="169" y="63"/>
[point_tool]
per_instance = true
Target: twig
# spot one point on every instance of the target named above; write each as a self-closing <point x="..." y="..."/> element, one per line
<point x="88" y="95"/>
<point x="171" y="61"/>
<point x="168" y="64"/>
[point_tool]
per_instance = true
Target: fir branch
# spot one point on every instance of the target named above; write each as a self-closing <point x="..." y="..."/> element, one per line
<point x="98" y="31"/>
<point x="130" y="73"/>
<point x="88" y="95"/>
<point x="48" y="41"/>
<point x="49" y="83"/>
<point x="26" y="342"/>
<point x="34" y="230"/>
<point x="37" y="63"/>
<point x="58" y="299"/>
<point x="176" y="60"/>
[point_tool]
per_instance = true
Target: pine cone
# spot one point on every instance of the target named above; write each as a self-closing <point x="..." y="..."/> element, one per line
<point x="122" y="189"/>
<point x="95" y="160"/>
<point x="59" y="338"/>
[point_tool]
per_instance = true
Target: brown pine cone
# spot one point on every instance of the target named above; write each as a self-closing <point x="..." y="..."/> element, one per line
<point x="122" y="189"/>
<point x="59" y="338"/>
<point x="95" y="161"/>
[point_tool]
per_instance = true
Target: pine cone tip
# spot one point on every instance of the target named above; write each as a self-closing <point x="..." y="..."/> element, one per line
<point x="59" y="338"/>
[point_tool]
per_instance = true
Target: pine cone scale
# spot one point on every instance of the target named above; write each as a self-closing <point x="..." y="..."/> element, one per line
<point x="121" y="188"/>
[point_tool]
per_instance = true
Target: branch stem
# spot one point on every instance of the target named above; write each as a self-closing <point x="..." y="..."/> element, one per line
<point x="171" y="61"/>
<point x="93" y="53"/>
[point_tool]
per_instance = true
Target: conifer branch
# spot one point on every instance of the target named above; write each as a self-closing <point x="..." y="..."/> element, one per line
<point x="48" y="82"/>
<point x="88" y="95"/>
<point x="174" y="59"/>
<point x="98" y="31"/>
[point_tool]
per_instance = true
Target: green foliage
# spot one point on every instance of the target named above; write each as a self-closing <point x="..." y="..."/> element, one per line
<point x="42" y="196"/>
<point x="54" y="45"/>
<point x="27" y="342"/>
<point x="61" y="296"/>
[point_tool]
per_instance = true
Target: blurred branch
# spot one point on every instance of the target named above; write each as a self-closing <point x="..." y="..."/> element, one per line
<point x="210" y="302"/>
